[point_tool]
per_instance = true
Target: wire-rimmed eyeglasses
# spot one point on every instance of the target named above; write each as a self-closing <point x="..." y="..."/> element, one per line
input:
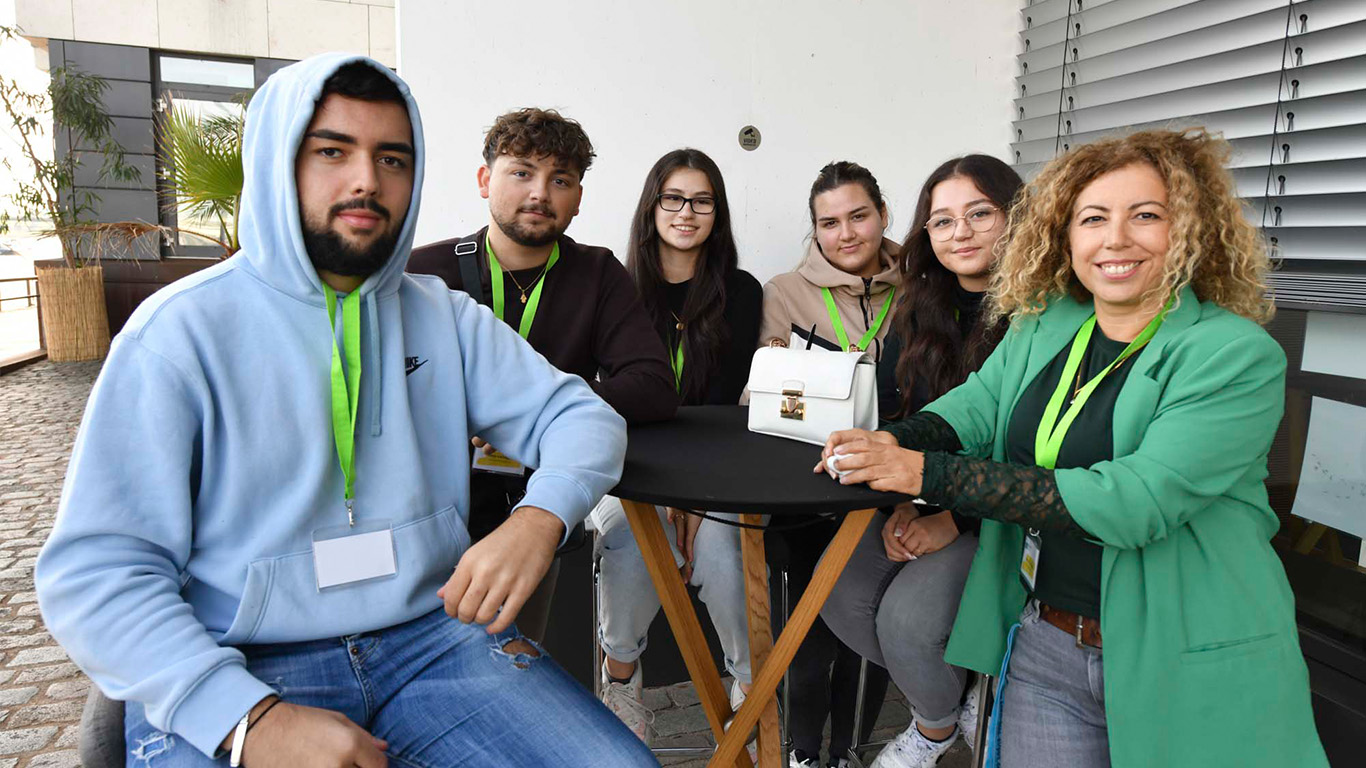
<point x="980" y="218"/>
<point x="674" y="203"/>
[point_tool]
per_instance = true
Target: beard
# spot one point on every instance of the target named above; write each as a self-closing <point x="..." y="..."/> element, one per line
<point x="330" y="252"/>
<point x="524" y="236"/>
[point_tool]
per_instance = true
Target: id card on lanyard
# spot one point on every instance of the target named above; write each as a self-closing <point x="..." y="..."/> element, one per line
<point x="1052" y="430"/>
<point x="350" y="553"/>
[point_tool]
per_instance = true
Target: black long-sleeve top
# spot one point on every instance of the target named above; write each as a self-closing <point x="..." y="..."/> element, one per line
<point x="742" y="315"/>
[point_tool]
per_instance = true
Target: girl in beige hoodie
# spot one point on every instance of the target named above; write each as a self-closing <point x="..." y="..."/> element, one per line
<point x="851" y="265"/>
<point x="848" y="260"/>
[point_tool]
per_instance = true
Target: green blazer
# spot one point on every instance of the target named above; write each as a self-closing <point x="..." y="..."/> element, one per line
<point x="1202" y="658"/>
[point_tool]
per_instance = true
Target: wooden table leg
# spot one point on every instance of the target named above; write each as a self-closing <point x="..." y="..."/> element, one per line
<point x="692" y="644"/>
<point x="766" y="679"/>
<point x="760" y="633"/>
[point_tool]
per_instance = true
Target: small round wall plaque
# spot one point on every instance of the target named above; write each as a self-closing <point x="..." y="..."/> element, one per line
<point x="750" y="138"/>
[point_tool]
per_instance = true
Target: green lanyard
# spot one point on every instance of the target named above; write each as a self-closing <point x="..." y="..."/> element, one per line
<point x="839" y="324"/>
<point x="345" y="388"/>
<point x="1048" y="442"/>
<point x="496" y="272"/>
<point x="677" y="364"/>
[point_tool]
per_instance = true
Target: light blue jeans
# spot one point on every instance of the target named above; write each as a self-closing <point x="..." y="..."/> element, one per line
<point x="1053" y="707"/>
<point x="629" y="601"/>
<point x="442" y="693"/>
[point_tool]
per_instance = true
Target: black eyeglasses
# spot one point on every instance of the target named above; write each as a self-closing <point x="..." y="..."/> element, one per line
<point x="700" y="205"/>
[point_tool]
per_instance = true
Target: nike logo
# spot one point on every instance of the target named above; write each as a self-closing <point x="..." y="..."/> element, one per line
<point x="411" y="364"/>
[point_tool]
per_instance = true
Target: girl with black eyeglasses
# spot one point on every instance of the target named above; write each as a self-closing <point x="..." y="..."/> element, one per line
<point x="707" y="310"/>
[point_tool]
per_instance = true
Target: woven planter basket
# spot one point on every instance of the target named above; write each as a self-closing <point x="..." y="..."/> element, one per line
<point x="75" y="325"/>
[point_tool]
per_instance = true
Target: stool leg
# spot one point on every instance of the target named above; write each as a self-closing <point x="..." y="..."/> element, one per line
<point x="856" y="743"/>
<point x="787" y="686"/>
<point x="597" y="604"/>
<point x="984" y="702"/>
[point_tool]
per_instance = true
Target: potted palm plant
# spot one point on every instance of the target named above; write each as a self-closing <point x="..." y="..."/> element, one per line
<point x="201" y="165"/>
<point x="71" y="296"/>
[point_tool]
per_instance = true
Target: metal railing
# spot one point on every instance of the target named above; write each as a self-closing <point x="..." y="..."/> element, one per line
<point x="30" y="291"/>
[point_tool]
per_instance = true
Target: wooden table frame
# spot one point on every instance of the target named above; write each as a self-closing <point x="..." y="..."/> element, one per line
<point x="768" y="660"/>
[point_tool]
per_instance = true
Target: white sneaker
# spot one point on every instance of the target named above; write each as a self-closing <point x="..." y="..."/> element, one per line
<point x="798" y="759"/>
<point x="912" y="750"/>
<point x="627" y="702"/>
<point x="967" y="717"/>
<point x="737" y="697"/>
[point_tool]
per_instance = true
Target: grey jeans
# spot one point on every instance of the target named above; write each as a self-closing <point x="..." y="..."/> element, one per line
<point x="1053" y="706"/>
<point x="898" y="616"/>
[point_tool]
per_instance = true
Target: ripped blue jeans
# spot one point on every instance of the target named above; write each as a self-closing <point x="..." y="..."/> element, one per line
<point x="442" y="693"/>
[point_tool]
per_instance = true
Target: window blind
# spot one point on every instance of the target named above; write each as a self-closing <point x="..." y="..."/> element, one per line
<point x="1283" y="81"/>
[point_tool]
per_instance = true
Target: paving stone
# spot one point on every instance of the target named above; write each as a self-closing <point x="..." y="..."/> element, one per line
<point x="71" y="737"/>
<point x="9" y="762"/>
<point x="45" y="674"/>
<point x="54" y="712"/>
<point x="656" y="699"/>
<point x="25" y="739"/>
<point x="38" y="656"/>
<point x="24" y="641"/>
<point x="68" y="690"/>
<point x="67" y="758"/>
<point x="683" y="694"/>
<point x="16" y="696"/>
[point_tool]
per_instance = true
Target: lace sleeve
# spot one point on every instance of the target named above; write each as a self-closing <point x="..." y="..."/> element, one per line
<point x="925" y="432"/>
<point x="1024" y="495"/>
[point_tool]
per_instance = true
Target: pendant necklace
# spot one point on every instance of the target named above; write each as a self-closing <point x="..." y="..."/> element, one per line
<point x="529" y="286"/>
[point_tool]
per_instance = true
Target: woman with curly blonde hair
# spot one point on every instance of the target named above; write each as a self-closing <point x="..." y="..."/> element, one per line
<point x="1115" y="445"/>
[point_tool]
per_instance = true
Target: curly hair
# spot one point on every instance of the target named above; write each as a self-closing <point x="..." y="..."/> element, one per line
<point x="534" y="132"/>
<point x="1213" y="247"/>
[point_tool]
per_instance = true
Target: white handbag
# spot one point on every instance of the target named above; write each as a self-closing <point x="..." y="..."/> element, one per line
<point x="807" y="394"/>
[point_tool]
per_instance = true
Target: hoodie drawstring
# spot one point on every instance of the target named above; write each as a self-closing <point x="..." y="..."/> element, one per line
<point x="377" y="380"/>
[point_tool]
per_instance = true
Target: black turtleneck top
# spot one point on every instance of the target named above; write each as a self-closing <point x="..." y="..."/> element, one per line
<point x="967" y="307"/>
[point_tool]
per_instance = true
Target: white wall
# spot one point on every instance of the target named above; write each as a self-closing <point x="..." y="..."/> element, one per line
<point x="897" y="85"/>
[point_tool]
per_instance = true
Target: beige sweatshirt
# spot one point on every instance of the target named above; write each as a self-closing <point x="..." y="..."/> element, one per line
<point x="793" y="301"/>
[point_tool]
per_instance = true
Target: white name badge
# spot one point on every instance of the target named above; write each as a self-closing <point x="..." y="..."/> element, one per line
<point x="495" y="462"/>
<point x="349" y="554"/>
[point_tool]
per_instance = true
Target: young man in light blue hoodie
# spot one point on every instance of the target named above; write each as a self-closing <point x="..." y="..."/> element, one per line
<point x="270" y="486"/>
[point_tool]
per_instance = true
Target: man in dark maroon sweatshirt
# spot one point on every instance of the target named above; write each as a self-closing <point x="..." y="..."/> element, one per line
<point x="575" y="304"/>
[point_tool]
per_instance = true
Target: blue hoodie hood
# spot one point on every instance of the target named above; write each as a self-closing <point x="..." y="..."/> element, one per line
<point x="270" y="228"/>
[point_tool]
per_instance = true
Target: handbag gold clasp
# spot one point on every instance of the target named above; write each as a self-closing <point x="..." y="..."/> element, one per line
<point x="792" y="405"/>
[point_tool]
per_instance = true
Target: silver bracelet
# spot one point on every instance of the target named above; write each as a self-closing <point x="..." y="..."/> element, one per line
<point x="239" y="738"/>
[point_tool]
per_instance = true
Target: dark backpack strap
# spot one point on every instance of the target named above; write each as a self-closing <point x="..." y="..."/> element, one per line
<point x="471" y="277"/>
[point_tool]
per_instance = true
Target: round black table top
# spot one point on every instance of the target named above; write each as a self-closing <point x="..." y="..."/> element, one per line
<point x="706" y="459"/>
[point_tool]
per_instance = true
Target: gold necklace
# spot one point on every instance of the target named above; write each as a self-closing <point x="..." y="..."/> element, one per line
<point x="677" y="320"/>
<point x="530" y="285"/>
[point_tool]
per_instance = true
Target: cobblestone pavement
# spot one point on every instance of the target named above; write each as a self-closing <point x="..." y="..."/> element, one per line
<point x="42" y="692"/>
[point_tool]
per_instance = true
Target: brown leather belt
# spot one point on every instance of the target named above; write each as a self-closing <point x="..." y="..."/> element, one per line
<point x="1084" y="628"/>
